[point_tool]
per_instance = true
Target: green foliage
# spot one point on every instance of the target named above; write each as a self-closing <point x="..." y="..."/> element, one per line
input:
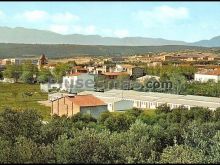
<point x="14" y="124"/>
<point x="21" y="96"/>
<point x="13" y="71"/>
<point x="44" y="76"/>
<point x="27" y="77"/>
<point x="60" y="71"/>
<point x="181" y="154"/>
<point x="70" y="50"/>
<point x="135" y="136"/>
<point x="118" y="121"/>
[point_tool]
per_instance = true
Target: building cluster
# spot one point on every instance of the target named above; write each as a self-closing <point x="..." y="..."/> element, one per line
<point x="83" y="77"/>
<point x="94" y="103"/>
<point x="40" y="62"/>
<point x="167" y="57"/>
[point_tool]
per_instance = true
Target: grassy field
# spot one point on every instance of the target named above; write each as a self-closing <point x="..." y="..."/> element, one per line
<point x="12" y="95"/>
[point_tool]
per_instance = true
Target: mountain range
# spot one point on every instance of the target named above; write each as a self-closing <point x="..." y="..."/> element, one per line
<point x="33" y="36"/>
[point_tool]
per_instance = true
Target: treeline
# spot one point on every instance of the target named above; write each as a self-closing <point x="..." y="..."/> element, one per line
<point x="136" y="136"/>
<point x="29" y="73"/>
<point x="68" y="50"/>
<point x="182" y="79"/>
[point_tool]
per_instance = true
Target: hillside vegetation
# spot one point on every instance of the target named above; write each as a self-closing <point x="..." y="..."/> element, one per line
<point x="65" y="50"/>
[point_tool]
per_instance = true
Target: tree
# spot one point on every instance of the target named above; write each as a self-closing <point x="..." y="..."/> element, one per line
<point x="27" y="77"/>
<point x="139" y="145"/>
<point x="217" y="114"/>
<point x="6" y="149"/>
<point x="44" y="76"/>
<point x="181" y="154"/>
<point x="60" y="70"/>
<point x="215" y="149"/>
<point x="14" y="124"/>
<point x="28" y="72"/>
<point x="87" y="146"/>
<point x="118" y="121"/>
<point x="13" y="71"/>
<point x="178" y="83"/>
<point x="164" y="108"/>
<point x="27" y="151"/>
<point x="1" y="75"/>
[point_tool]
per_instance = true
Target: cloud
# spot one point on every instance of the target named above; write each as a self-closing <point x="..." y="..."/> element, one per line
<point x="121" y="33"/>
<point x="61" y="29"/>
<point x="34" y="15"/>
<point x="91" y="29"/>
<point x="161" y="15"/>
<point x="64" y="17"/>
<point x="2" y="15"/>
<point x="55" y="18"/>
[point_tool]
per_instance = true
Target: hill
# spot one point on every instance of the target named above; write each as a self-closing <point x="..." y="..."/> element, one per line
<point x="214" y="42"/>
<point x="34" y="36"/>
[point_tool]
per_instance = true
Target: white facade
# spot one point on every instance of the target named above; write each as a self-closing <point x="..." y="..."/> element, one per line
<point x="47" y="86"/>
<point x="205" y="77"/>
<point x="151" y="100"/>
<point x="78" y="82"/>
<point x="117" y="104"/>
<point x="119" y="68"/>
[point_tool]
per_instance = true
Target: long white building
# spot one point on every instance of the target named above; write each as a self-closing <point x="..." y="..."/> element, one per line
<point x="151" y="100"/>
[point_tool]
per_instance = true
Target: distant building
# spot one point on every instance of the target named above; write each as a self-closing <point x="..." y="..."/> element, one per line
<point x="133" y="71"/>
<point x="42" y="61"/>
<point x="154" y="64"/>
<point x="117" y="59"/>
<point x="114" y="75"/>
<point x="78" y="82"/>
<point x="79" y="69"/>
<point x="6" y="61"/>
<point x="84" y="104"/>
<point x="115" y="104"/>
<point x="45" y="87"/>
<point x="213" y="75"/>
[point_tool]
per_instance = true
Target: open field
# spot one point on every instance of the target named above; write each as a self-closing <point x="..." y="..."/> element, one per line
<point x="12" y="95"/>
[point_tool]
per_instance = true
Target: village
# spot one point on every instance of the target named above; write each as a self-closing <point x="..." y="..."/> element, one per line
<point x="94" y="85"/>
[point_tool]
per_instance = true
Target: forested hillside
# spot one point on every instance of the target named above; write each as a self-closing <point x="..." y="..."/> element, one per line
<point x="55" y="51"/>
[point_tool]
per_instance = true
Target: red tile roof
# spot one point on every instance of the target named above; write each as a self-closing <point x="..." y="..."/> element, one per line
<point x="115" y="73"/>
<point x="213" y="72"/>
<point x="74" y="74"/>
<point x="86" y="100"/>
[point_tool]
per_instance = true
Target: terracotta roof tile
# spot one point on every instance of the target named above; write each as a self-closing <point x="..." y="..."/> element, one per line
<point x="115" y="73"/>
<point x="86" y="100"/>
<point x="74" y="74"/>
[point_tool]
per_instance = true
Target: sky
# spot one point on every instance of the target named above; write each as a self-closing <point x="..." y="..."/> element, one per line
<point x="185" y="21"/>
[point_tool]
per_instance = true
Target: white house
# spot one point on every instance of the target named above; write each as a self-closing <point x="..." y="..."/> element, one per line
<point x="213" y="75"/>
<point x="78" y="82"/>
